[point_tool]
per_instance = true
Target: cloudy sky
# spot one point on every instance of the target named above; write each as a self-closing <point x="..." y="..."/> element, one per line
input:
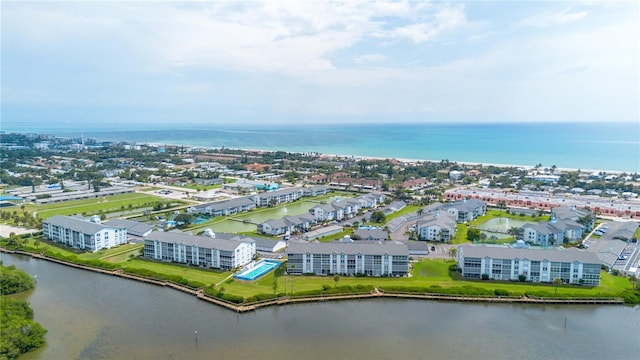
<point x="313" y="61"/>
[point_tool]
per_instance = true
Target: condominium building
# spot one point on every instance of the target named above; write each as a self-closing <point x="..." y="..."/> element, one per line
<point x="84" y="234"/>
<point x="572" y="266"/>
<point x="373" y="259"/>
<point x="466" y="210"/>
<point x="220" y="251"/>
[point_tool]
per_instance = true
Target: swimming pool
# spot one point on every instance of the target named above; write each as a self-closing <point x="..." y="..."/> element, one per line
<point x="259" y="269"/>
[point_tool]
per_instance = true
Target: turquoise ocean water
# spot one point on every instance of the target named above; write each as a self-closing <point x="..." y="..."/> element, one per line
<point x="597" y="146"/>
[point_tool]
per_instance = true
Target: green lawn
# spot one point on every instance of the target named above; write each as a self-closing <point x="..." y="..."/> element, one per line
<point x="190" y="273"/>
<point x="108" y="204"/>
<point x="424" y="274"/>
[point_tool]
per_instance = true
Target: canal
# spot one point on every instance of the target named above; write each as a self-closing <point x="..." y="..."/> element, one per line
<point x="95" y="316"/>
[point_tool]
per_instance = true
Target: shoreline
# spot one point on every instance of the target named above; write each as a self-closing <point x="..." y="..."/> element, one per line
<point x="286" y="300"/>
<point x="358" y="153"/>
<point x="382" y="158"/>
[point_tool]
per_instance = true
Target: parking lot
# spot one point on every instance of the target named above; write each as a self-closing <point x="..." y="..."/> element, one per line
<point x="614" y="246"/>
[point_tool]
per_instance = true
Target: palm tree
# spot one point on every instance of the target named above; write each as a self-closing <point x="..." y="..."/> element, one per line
<point x="513" y="231"/>
<point x="453" y="252"/>
<point x="420" y="212"/>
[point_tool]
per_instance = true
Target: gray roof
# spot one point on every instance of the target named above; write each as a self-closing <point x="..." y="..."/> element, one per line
<point x="569" y="212"/>
<point x="466" y="205"/>
<point x="266" y="242"/>
<point x="132" y="226"/>
<point x="442" y="219"/>
<point x="553" y="254"/>
<point x="375" y="234"/>
<point x="76" y="224"/>
<point x="542" y="228"/>
<point x="417" y="245"/>
<point x="368" y="248"/>
<point x="222" y="241"/>
<point x="289" y="220"/>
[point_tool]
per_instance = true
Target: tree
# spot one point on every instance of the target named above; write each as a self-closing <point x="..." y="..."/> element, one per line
<point x="473" y="234"/>
<point x="378" y="217"/>
<point x="502" y="205"/>
<point x="634" y="281"/>
<point x="184" y="219"/>
<point x="453" y="252"/>
<point x="513" y="231"/>
<point x="36" y="243"/>
<point x="557" y="282"/>
<point x="336" y="279"/>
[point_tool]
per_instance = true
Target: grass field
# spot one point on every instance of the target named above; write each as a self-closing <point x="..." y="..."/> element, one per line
<point x="97" y="206"/>
<point x="424" y="273"/>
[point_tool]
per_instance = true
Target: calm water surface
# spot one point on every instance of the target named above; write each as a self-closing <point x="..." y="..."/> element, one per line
<point x="93" y="316"/>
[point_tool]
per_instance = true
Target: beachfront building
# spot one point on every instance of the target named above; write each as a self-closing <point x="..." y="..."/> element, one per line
<point x="572" y="266"/>
<point x="224" y="208"/>
<point x="466" y="210"/>
<point x="218" y="251"/>
<point x="288" y="224"/>
<point x="367" y="258"/>
<point x="436" y="226"/>
<point x="83" y="234"/>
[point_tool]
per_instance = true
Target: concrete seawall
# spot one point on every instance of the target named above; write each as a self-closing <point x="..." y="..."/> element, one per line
<point x="285" y="300"/>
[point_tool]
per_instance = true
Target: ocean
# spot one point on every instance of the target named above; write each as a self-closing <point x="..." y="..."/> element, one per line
<point x="585" y="146"/>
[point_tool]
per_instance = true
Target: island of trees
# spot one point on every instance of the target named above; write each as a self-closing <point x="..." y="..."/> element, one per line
<point x="19" y="333"/>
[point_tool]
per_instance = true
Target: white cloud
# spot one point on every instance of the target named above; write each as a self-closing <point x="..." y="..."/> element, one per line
<point x="563" y="17"/>
<point x="369" y="58"/>
<point x="427" y="59"/>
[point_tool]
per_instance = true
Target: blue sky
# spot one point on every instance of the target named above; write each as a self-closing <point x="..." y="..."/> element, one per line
<point x="311" y="61"/>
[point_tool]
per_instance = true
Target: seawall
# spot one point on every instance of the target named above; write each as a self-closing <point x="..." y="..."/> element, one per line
<point x="285" y="300"/>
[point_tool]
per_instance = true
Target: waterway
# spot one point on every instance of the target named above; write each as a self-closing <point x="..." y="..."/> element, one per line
<point x="95" y="316"/>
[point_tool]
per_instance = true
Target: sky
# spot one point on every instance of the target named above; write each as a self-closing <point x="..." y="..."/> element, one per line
<point x="279" y="62"/>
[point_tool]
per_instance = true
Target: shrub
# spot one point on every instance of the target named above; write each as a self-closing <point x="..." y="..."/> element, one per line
<point x="485" y="276"/>
<point x="232" y="298"/>
<point x="501" y="292"/>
